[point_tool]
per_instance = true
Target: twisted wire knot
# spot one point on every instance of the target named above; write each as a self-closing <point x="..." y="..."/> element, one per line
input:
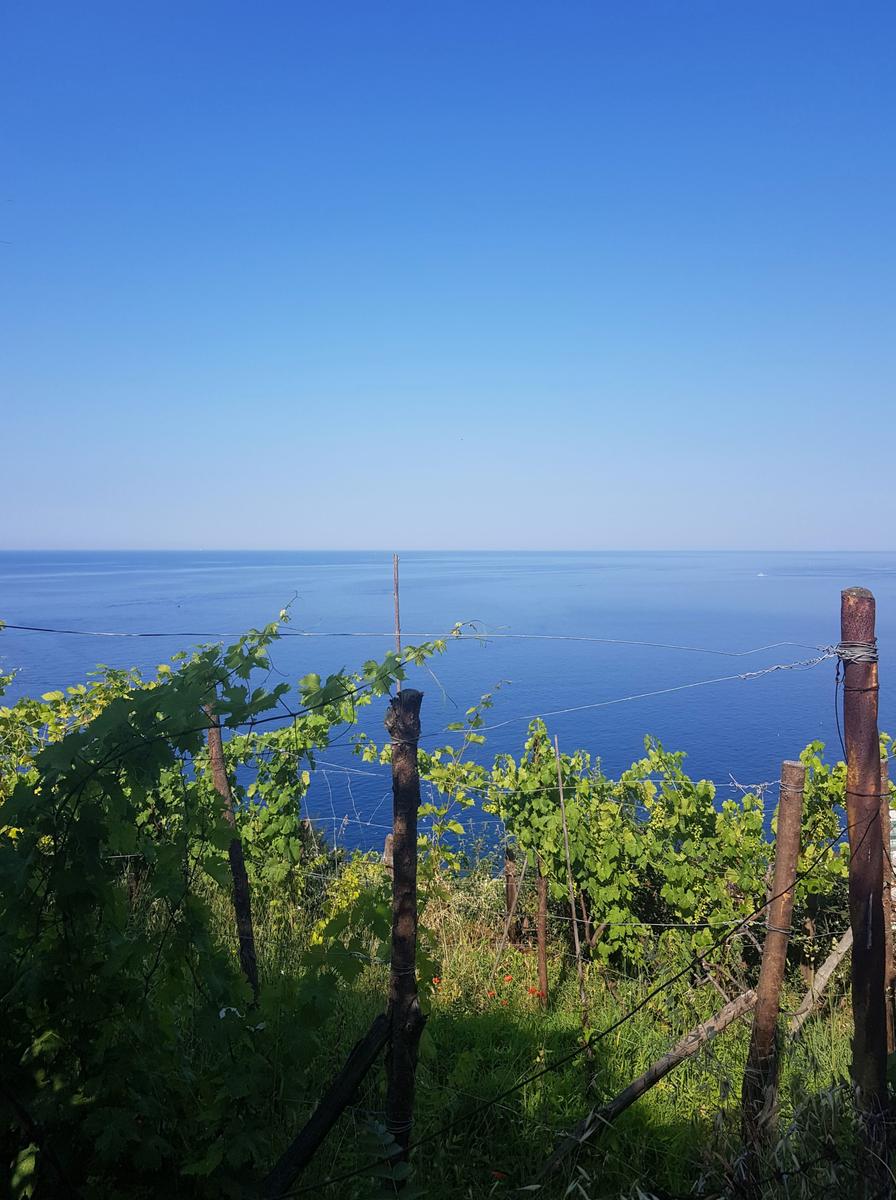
<point x="855" y="652"/>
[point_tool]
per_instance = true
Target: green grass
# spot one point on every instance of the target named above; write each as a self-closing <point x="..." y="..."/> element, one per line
<point x="681" y="1138"/>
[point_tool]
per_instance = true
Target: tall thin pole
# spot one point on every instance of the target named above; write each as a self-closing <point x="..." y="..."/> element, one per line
<point x="512" y="881"/>
<point x="583" y="998"/>
<point x="541" y="930"/>
<point x="760" y="1086"/>
<point x="858" y="653"/>
<point x="397" y="612"/>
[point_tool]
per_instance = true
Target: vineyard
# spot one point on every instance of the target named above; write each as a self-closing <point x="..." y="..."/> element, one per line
<point x="557" y="984"/>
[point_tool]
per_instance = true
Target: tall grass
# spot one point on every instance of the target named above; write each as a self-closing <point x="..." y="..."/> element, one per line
<point x="486" y="1031"/>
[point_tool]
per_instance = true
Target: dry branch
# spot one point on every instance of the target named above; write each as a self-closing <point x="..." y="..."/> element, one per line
<point x="299" y="1153"/>
<point x="598" y="1118"/>
<point x="822" y="979"/>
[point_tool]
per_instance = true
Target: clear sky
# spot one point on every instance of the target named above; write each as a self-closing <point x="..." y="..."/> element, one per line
<point x="483" y="275"/>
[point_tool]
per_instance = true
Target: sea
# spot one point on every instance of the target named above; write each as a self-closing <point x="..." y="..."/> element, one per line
<point x="713" y="653"/>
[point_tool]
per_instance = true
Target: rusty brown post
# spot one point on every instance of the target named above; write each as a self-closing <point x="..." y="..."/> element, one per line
<point x="405" y="1018"/>
<point x="889" y="964"/>
<point x="858" y="653"/>
<point x="760" y="1085"/>
<point x="541" y="931"/>
<point x="242" y="903"/>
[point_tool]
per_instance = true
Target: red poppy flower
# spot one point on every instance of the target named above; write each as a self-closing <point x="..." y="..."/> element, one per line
<point x="491" y="995"/>
<point x="437" y="979"/>
<point x="533" y="991"/>
<point x="508" y="979"/>
<point x="499" y="1174"/>
<point x="504" y="1002"/>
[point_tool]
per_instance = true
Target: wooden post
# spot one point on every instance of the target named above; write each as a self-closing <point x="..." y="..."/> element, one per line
<point x="242" y="904"/>
<point x="397" y="613"/>
<point x="863" y="792"/>
<point x="586" y="920"/>
<point x="583" y="998"/>
<point x="541" y="931"/>
<point x="133" y="882"/>
<point x="511" y="896"/>
<point x="510" y="919"/>
<point x="406" y="1019"/>
<point x="760" y="1085"/>
<point x="387" y="855"/>
<point x="889" y="965"/>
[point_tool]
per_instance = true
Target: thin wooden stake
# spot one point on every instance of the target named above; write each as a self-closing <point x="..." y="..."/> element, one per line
<point x="406" y="1019"/>
<point x="242" y="903"/>
<point x="510" y="920"/>
<point x="863" y="793"/>
<point x="397" y="613"/>
<point x="586" y="920"/>
<point x="512" y="882"/>
<point x="580" y="973"/>
<point x="760" y="1084"/>
<point x="541" y="931"/>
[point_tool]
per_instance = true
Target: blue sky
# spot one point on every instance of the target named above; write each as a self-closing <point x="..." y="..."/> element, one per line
<point x="483" y="275"/>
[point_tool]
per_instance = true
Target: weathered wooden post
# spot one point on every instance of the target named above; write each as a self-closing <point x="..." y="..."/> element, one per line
<point x="511" y="895"/>
<point x="541" y="931"/>
<point x="858" y="654"/>
<point x="242" y="904"/>
<point x="760" y="1085"/>
<point x="387" y="855"/>
<point x="889" y="964"/>
<point x="405" y="1018"/>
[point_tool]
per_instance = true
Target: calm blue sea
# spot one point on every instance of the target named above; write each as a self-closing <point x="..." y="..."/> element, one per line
<point x="719" y="601"/>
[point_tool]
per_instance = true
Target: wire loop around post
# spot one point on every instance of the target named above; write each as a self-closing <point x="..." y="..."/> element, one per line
<point x="856" y="652"/>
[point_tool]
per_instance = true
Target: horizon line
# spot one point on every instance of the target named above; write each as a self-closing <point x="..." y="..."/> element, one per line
<point x="439" y="550"/>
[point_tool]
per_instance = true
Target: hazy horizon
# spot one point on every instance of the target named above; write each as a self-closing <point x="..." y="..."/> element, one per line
<point x="389" y="550"/>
